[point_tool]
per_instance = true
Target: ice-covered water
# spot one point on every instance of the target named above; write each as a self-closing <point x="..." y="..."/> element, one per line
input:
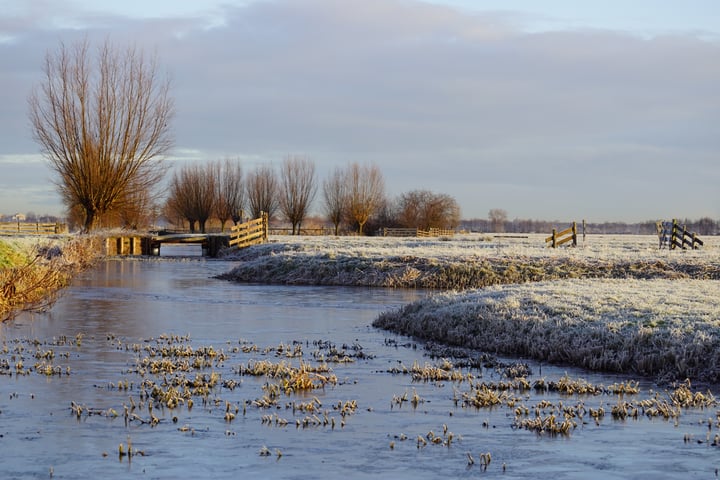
<point x="122" y="304"/>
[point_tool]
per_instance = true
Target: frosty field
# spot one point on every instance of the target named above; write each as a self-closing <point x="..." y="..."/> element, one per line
<point x="614" y="303"/>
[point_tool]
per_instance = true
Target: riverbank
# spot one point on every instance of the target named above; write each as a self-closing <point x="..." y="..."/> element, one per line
<point x="34" y="269"/>
<point x="668" y="330"/>
<point x="616" y="303"/>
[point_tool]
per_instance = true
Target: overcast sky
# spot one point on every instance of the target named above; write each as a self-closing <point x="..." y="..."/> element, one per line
<point x="607" y="110"/>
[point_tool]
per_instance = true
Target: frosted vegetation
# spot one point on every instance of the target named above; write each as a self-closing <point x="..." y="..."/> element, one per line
<point x="668" y="329"/>
<point x="464" y="262"/>
<point x="615" y="303"/>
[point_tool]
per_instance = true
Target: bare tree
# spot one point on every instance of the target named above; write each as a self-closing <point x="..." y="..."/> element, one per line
<point x="424" y="209"/>
<point x="497" y="217"/>
<point x="335" y="197"/>
<point x="297" y="189"/>
<point x="262" y="189"/>
<point x="179" y="201"/>
<point x="192" y="194"/>
<point x="365" y="192"/>
<point x="103" y="125"/>
<point x="230" y="192"/>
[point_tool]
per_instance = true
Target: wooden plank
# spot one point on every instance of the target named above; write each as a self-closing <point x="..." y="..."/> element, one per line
<point x="250" y="223"/>
<point x="237" y="241"/>
<point x="567" y="231"/>
<point x="564" y="240"/>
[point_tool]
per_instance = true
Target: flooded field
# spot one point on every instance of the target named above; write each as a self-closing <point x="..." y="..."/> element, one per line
<point x="154" y="369"/>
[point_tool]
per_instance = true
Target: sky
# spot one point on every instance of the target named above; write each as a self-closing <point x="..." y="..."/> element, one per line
<point x="604" y="110"/>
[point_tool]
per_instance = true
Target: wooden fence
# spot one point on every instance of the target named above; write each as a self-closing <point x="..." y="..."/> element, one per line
<point x="303" y="231"/>
<point x="672" y="235"/>
<point x="252" y="232"/>
<point x="417" y="232"/>
<point x="563" y="237"/>
<point x="29" y="228"/>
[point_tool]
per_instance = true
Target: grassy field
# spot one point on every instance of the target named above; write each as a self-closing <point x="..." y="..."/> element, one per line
<point x="465" y="261"/>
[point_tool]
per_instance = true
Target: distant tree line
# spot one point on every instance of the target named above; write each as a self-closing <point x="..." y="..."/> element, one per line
<point x="497" y="222"/>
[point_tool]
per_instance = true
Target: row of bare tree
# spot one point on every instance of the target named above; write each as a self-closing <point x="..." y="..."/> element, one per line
<point x="351" y="196"/>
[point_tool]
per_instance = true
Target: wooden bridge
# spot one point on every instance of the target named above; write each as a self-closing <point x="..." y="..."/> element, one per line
<point x="252" y="232"/>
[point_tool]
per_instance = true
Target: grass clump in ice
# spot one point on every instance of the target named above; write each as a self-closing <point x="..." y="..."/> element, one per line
<point x="666" y="329"/>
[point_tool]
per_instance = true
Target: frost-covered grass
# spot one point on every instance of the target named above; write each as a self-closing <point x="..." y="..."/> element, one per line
<point x="614" y="303"/>
<point x="667" y="329"/>
<point x="34" y="268"/>
<point x="464" y="261"/>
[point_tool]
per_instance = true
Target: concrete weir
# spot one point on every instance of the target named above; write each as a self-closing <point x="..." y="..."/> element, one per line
<point x="166" y="245"/>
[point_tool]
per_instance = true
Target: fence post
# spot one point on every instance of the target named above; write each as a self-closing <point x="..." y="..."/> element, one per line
<point x="266" y="226"/>
<point x="574" y="234"/>
<point x="554" y="238"/>
<point x="672" y="234"/>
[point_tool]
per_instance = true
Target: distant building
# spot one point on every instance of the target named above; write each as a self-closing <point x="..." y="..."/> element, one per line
<point x="19" y="217"/>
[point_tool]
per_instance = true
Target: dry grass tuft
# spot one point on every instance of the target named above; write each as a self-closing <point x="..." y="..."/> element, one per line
<point x="31" y="277"/>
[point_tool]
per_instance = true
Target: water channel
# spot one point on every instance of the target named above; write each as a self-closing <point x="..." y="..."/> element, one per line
<point x="69" y="421"/>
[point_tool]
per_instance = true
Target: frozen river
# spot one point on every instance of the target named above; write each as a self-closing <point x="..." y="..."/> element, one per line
<point x="68" y="376"/>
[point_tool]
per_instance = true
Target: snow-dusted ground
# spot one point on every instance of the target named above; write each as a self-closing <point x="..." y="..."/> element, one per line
<point x="615" y="303"/>
<point x="465" y="261"/>
<point x="461" y="247"/>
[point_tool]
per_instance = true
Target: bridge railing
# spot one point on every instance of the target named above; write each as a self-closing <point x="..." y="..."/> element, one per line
<point x="252" y="232"/>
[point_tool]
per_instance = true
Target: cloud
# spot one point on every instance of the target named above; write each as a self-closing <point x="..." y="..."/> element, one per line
<point x="457" y="102"/>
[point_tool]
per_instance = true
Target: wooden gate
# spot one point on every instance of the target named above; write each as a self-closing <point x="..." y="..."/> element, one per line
<point x="672" y="235"/>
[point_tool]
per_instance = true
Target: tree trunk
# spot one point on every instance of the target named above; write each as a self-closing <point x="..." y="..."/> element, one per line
<point x="89" y="220"/>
